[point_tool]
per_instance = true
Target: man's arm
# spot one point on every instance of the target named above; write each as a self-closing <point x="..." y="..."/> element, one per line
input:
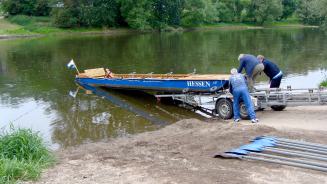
<point x="230" y="86"/>
<point x="240" y="68"/>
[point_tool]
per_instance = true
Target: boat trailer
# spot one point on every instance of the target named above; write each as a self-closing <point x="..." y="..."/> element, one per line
<point x="221" y="103"/>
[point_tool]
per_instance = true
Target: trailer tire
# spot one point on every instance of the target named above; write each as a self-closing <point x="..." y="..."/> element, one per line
<point x="278" y="107"/>
<point x="224" y="108"/>
<point x="243" y="111"/>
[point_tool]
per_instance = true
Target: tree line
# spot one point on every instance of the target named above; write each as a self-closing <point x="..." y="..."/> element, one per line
<point x="162" y="14"/>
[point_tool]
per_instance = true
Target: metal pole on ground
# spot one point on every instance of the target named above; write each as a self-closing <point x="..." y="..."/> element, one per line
<point x="303" y="149"/>
<point x="296" y="154"/>
<point x="297" y="142"/>
<point x="286" y="163"/>
<point x="302" y="146"/>
<point x="290" y="159"/>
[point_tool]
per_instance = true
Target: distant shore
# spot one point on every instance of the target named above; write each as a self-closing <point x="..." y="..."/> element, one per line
<point x="10" y="30"/>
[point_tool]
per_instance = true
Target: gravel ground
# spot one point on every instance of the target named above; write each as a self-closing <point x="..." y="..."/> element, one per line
<point x="183" y="153"/>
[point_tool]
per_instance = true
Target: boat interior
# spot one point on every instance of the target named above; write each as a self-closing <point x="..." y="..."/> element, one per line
<point x="106" y="73"/>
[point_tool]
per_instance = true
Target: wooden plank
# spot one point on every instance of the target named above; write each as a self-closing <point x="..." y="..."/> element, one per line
<point x="96" y="72"/>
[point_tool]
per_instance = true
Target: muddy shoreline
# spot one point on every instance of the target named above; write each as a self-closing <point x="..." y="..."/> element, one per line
<point x="183" y="153"/>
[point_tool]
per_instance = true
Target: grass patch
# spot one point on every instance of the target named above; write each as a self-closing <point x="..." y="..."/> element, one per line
<point x="323" y="83"/>
<point x="290" y="22"/>
<point x="227" y="25"/>
<point x="31" y="24"/>
<point x="26" y="25"/>
<point x="23" y="155"/>
<point x="6" y="26"/>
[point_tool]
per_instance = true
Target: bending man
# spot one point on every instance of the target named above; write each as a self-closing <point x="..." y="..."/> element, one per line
<point x="239" y="89"/>
<point x="272" y="71"/>
<point x="252" y="68"/>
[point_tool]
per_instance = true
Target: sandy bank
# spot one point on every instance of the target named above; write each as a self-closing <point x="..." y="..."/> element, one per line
<point x="182" y="153"/>
<point x="302" y="117"/>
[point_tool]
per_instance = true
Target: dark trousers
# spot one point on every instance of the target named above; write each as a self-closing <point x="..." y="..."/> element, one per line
<point x="275" y="83"/>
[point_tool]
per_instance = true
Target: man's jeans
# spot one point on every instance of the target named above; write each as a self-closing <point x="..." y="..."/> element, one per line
<point x="244" y="94"/>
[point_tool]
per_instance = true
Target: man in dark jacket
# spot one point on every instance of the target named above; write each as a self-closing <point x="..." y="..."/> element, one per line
<point x="272" y="71"/>
<point x="252" y="68"/>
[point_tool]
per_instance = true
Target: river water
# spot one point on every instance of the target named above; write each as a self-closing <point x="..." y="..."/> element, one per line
<point x="35" y="83"/>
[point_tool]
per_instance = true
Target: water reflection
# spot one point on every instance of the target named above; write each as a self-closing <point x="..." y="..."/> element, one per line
<point x="33" y="75"/>
<point x="124" y="104"/>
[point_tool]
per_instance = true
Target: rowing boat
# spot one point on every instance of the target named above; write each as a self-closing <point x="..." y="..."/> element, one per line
<point x="176" y="83"/>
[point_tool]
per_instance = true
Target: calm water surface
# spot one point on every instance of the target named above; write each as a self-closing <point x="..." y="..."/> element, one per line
<point x="34" y="81"/>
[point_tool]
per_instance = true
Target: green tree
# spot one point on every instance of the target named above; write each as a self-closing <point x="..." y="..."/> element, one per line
<point x="166" y="12"/>
<point x="266" y="10"/>
<point x="26" y="7"/>
<point x="97" y="13"/>
<point x="175" y="8"/>
<point x="137" y="13"/>
<point x="232" y="10"/>
<point x="211" y="12"/>
<point x="160" y="14"/>
<point x="193" y="12"/>
<point x="67" y="16"/>
<point x="312" y="12"/>
<point x="289" y="7"/>
<point x="224" y="13"/>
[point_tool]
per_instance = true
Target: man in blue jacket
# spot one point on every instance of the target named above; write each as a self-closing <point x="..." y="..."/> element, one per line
<point x="252" y="68"/>
<point x="239" y="89"/>
<point x="272" y="71"/>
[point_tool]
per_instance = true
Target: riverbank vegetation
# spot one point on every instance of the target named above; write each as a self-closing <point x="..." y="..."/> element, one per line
<point x="323" y="83"/>
<point x="23" y="155"/>
<point x="161" y="14"/>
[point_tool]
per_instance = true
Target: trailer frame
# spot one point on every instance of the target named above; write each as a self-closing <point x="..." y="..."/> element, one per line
<point x="220" y="103"/>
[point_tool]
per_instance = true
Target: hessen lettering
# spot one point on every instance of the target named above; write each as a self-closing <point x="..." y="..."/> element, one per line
<point x="198" y="83"/>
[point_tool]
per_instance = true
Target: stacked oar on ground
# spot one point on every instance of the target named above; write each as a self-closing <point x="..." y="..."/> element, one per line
<point x="282" y="151"/>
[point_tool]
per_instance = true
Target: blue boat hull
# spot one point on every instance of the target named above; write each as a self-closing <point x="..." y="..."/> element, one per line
<point x="163" y="85"/>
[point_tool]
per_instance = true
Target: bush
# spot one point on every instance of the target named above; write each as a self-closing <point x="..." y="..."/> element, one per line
<point x="323" y="83"/>
<point x="193" y="13"/>
<point x="23" y="155"/>
<point x="64" y="18"/>
<point x="137" y="14"/>
<point x="22" y="20"/>
<point x="266" y="10"/>
<point x="93" y="13"/>
<point x="98" y="14"/>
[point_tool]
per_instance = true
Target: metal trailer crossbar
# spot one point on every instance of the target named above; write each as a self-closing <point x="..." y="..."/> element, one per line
<point x="221" y="102"/>
<point x="291" y="97"/>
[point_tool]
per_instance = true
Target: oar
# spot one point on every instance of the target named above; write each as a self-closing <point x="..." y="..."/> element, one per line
<point x="254" y="149"/>
<point x="290" y="159"/>
<point x="244" y="154"/>
<point x="299" y="154"/>
<point x="302" y="147"/>
<point x="278" y="162"/>
<point x="293" y="141"/>
<point x="268" y="142"/>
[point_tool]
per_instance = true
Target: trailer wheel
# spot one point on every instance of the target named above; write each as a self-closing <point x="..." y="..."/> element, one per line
<point x="224" y="108"/>
<point x="243" y="111"/>
<point x="278" y="107"/>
